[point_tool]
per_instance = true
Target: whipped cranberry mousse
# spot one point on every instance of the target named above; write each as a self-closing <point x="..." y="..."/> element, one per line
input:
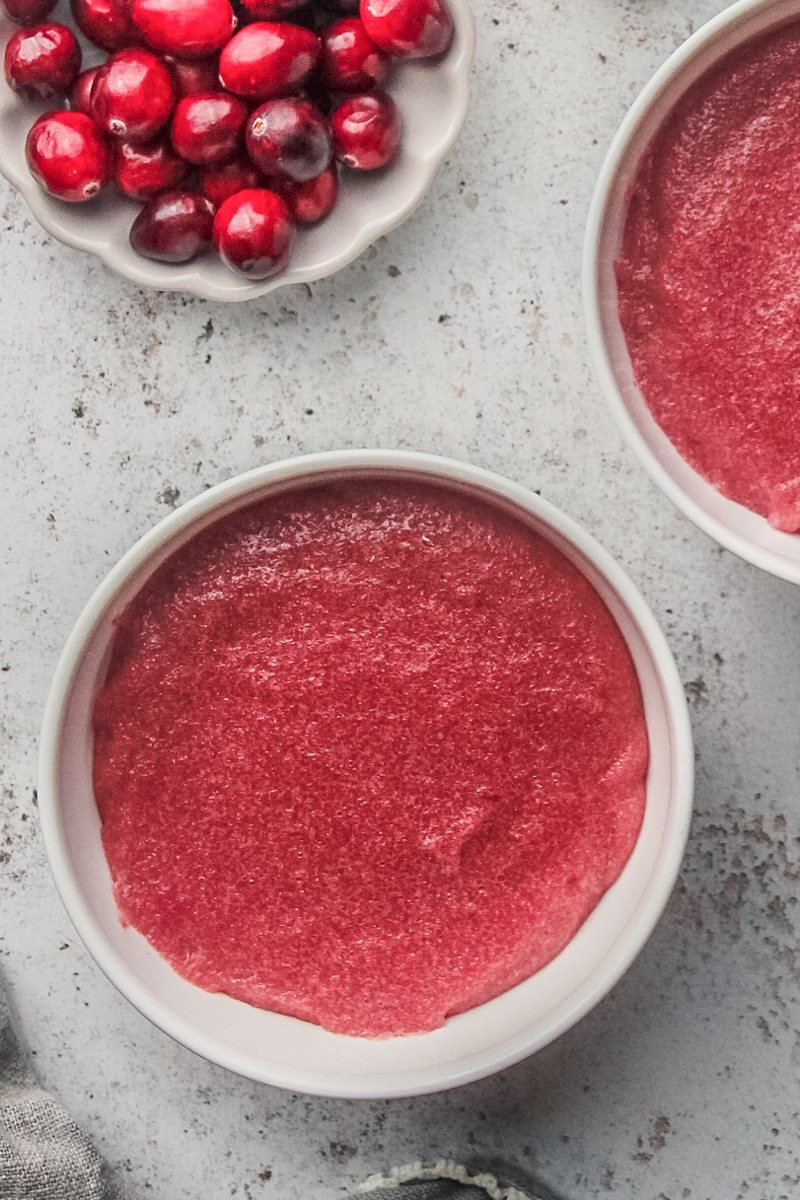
<point x="367" y="754"/>
<point x="709" y="296"/>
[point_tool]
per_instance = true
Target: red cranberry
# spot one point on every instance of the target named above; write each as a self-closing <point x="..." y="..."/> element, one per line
<point x="408" y="28"/>
<point x="209" y="128"/>
<point x="80" y="98"/>
<point x="42" y="61"/>
<point x="186" y="28"/>
<point x="68" y="156"/>
<point x="268" y="59"/>
<point x="290" y="138"/>
<point x="133" y="95"/>
<point x="309" y="202"/>
<point x="217" y="183"/>
<point x="271" y="10"/>
<point x="366" y="131"/>
<point x="313" y="91"/>
<point x="173" y="227"/>
<point x="28" y="12"/>
<point x="254" y="233"/>
<point x="194" y="75"/>
<point x="143" y="169"/>
<point x="107" y="23"/>
<point x="350" y="61"/>
<point x="345" y="8"/>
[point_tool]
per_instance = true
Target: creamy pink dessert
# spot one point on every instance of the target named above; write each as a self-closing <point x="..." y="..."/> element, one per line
<point x="709" y="290"/>
<point x="367" y="754"/>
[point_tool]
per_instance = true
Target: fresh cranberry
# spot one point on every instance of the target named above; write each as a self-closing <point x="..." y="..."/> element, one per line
<point x="217" y="183"/>
<point x="268" y="59"/>
<point x="194" y="75"/>
<point x="345" y="8"/>
<point x="209" y="128"/>
<point x="185" y="28"/>
<point x="80" y="98"/>
<point x="28" y="12"/>
<point x="308" y="17"/>
<point x="350" y="60"/>
<point x="173" y="227"/>
<point x="68" y="156"/>
<point x="254" y="233"/>
<point x="312" y="200"/>
<point x="42" y="61"/>
<point x="143" y="169"/>
<point x="271" y="10"/>
<point x="408" y="28"/>
<point x="313" y="91"/>
<point x="133" y="95"/>
<point x="366" y="131"/>
<point x="107" y="23"/>
<point x="289" y="138"/>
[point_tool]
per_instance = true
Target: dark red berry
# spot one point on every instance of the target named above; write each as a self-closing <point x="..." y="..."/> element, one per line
<point x="217" y="183"/>
<point x="350" y="60"/>
<point x="143" y="169"/>
<point x="366" y="131"/>
<point x="28" y="12"/>
<point x="268" y="59"/>
<point x="42" y="61"/>
<point x="289" y="138"/>
<point x="134" y="95"/>
<point x="345" y="8"/>
<point x="107" y="23"/>
<point x="254" y="233"/>
<point x="271" y="10"/>
<point x="308" y="17"/>
<point x="309" y="202"/>
<point x="194" y="75"/>
<point x="209" y="128"/>
<point x="316" y="94"/>
<point x="173" y="227"/>
<point x="408" y="28"/>
<point x="68" y="156"/>
<point x="185" y="28"/>
<point x="80" y="98"/>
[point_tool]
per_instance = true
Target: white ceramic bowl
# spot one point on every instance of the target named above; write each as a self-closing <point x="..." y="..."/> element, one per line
<point x="432" y="97"/>
<point x="740" y="530"/>
<point x="291" y="1053"/>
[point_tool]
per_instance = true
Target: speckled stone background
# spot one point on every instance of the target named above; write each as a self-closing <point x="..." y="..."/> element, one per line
<point x="459" y="333"/>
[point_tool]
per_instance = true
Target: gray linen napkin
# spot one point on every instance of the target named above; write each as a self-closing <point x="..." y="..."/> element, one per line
<point x="43" y="1153"/>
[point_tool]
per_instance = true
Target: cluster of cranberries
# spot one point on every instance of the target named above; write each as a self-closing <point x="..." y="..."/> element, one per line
<point x="228" y="121"/>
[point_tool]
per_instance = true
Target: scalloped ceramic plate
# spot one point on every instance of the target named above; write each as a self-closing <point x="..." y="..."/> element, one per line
<point x="432" y="96"/>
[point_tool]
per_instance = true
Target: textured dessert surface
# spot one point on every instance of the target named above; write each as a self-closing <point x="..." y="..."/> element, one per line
<point x="367" y="754"/>
<point x="708" y="283"/>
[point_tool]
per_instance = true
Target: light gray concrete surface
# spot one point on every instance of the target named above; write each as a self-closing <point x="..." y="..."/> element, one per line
<point x="460" y="333"/>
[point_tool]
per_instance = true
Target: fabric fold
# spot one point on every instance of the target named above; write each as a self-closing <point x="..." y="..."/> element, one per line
<point x="44" y="1155"/>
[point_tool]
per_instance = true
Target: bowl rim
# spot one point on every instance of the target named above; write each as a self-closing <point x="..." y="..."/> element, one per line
<point x="163" y="277"/>
<point x="769" y="560"/>
<point x="471" y="1065"/>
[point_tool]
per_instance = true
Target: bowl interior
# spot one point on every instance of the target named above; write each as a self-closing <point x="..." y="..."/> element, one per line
<point x="744" y="532"/>
<point x="292" y="1053"/>
<point x="432" y="96"/>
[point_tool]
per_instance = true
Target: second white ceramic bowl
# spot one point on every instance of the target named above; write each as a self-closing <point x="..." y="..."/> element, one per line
<point x="432" y="96"/>
<point x="291" y="1053"/>
<point x="740" y="530"/>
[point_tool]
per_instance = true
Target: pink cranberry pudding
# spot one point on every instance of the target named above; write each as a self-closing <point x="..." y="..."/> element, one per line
<point x="709" y="298"/>
<point x="368" y="754"/>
